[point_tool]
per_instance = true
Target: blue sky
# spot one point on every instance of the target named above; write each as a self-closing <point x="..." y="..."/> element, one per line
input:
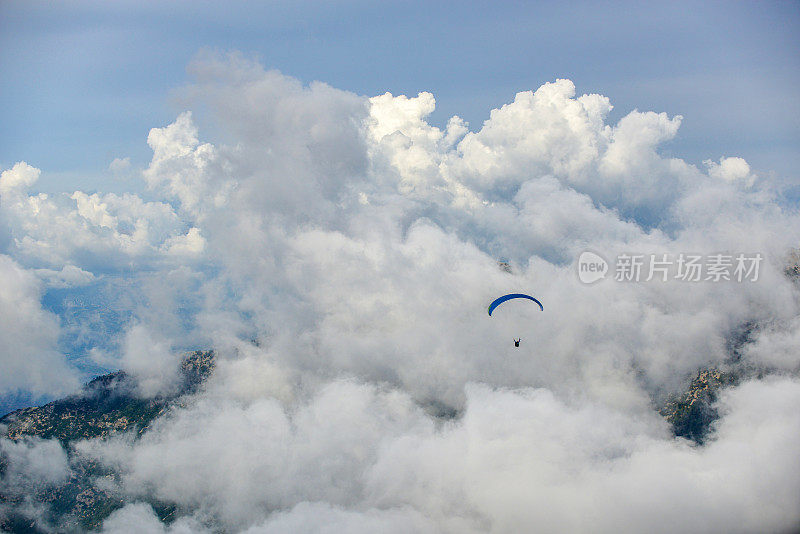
<point x="85" y="81"/>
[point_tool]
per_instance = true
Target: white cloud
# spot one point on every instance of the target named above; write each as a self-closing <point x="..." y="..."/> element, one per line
<point x="33" y="462"/>
<point x="732" y="170"/>
<point x="322" y="518"/>
<point x="140" y="517"/>
<point x="516" y="460"/>
<point x="355" y="286"/>
<point x="93" y="231"/>
<point x="18" y="178"/>
<point x="776" y="345"/>
<point x="32" y="468"/>
<point x="28" y="337"/>
<point x="339" y="252"/>
<point x="180" y="162"/>
<point x="119" y="165"/>
<point x="189" y="244"/>
<point x="219" y="453"/>
<point x="150" y="360"/>
<point x="68" y="276"/>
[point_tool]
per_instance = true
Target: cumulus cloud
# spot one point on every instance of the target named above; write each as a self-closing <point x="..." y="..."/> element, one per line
<point x="732" y="170"/>
<point x="29" y="337"/>
<point x="338" y="252"/>
<point x="776" y="345"/>
<point x="68" y="276"/>
<point x="91" y="231"/>
<point x="189" y="244"/>
<point x="140" y="517"/>
<point x="179" y="162"/>
<point x="516" y="460"/>
<point x="34" y="462"/>
<point x="150" y="360"/>
<point x="524" y="459"/>
<point x="324" y="518"/>
<point x="18" y="178"/>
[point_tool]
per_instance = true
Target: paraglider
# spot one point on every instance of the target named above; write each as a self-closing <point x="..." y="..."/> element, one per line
<point x="510" y="296"/>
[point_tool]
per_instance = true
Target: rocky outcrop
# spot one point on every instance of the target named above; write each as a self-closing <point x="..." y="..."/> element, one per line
<point x="107" y="405"/>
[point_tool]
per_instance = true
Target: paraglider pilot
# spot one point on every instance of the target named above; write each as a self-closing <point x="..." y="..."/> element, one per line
<point x="510" y="296"/>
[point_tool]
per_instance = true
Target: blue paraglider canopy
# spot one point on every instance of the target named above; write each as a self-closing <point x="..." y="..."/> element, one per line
<point x="510" y="296"/>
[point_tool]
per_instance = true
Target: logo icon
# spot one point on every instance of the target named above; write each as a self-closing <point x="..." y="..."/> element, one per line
<point x="591" y="267"/>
